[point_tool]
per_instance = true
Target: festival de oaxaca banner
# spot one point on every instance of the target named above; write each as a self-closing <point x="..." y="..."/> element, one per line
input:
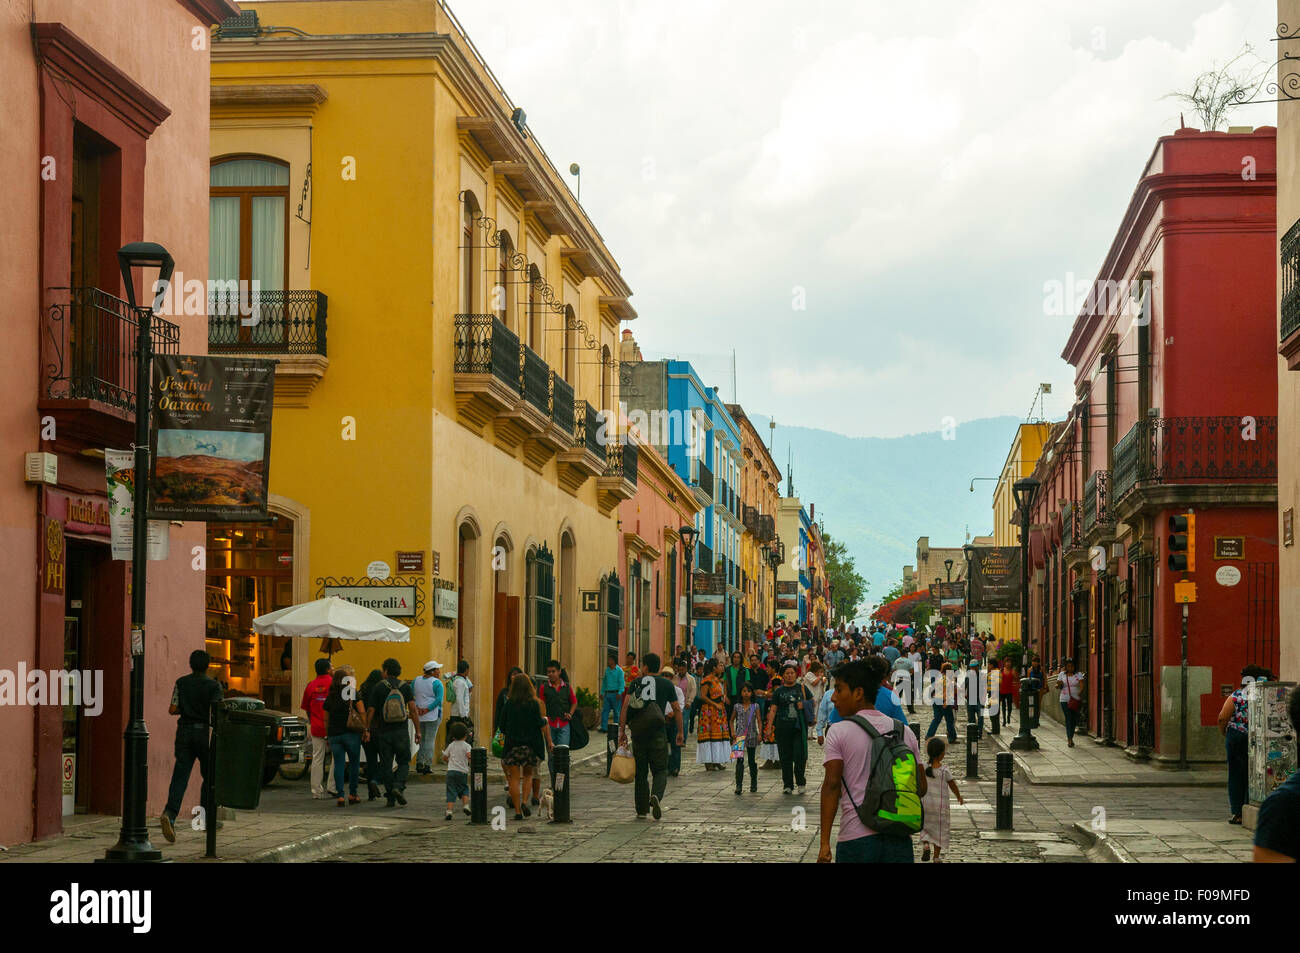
<point x="995" y="579"/>
<point x="211" y="437"/>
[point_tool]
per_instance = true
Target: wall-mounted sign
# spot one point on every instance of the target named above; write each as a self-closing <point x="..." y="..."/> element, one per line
<point x="437" y="563"/>
<point x="378" y="570"/>
<point x="119" y="470"/>
<point x="710" y="596"/>
<point x="446" y="603"/>
<point x="53" y="566"/>
<point x="1227" y="575"/>
<point x="787" y="594"/>
<point x="591" y="600"/>
<point x="1288" y="526"/>
<point x="1230" y="547"/>
<point x="410" y="561"/>
<point x="995" y="579"/>
<point x="396" y="602"/>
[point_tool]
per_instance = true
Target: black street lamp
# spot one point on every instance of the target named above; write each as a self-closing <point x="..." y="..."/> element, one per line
<point x="775" y="557"/>
<point x="969" y="552"/>
<point x="133" y="843"/>
<point x="1024" y="492"/>
<point x="688" y="534"/>
<point x="947" y="564"/>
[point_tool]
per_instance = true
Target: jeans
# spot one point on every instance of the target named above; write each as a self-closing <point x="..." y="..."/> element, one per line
<point x="425" y="754"/>
<point x="753" y="770"/>
<point x="371" y="748"/>
<point x="1236" y="744"/>
<point x="792" y="746"/>
<point x="559" y="736"/>
<point x="651" y="753"/>
<point x="694" y="713"/>
<point x="674" y="750"/>
<point x="318" y="748"/>
<point x="874" y="849"/>
<point x="191" y="746"/>
<point x="1008" y="704"/>
<point x="1071" y="720"/>
<point x="608" y="706"/>
<point x="394" y="744"/>
<point x="346" y="749"/>
<point x="943" y="713"/>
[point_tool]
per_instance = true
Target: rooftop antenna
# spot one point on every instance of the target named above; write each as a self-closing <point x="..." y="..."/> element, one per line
<point x="789" y="470"/>
<point x="771" y="439"/>
<point x="734" y="398"/>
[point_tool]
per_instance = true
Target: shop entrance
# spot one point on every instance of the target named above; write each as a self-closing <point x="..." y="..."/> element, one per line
<point x="250" y="573"/>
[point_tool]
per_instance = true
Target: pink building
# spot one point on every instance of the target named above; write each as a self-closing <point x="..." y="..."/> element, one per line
<point x="106" y="142"/>
<point x="653" y="567"/>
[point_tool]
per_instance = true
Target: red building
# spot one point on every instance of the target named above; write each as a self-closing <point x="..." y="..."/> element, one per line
<point x="1176" y="412"/>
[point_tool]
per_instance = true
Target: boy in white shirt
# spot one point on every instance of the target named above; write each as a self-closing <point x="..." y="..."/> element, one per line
<point x="456" y="755"/>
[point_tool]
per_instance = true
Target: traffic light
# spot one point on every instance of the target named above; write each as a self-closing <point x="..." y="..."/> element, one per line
<point x="1182" y="543"/>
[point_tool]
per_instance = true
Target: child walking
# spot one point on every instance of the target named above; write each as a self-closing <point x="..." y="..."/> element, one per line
<point x="934" y="805"/>
<point x="745" y="728"/>
<point x="457" y="757"/>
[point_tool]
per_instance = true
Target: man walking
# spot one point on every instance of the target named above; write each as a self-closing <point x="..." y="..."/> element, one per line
<point x="459" y="688"/>
<point x="612" y="687"/>
<point x="427" y="693"/>
<point x="313" y="703"/>
<point x="643" y="717"/>
<point x="393" y="706"/>
<point x="192" y="699"/>
<point x="560" y="703"/>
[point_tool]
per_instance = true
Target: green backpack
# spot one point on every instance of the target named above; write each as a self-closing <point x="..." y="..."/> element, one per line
<point x="450" y="698"/>
<point x="891" y="804"/>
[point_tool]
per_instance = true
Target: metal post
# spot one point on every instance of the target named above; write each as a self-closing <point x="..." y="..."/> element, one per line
<point x="690" y="597"/>
<point x="1006" y="786"/>
<point x="210" y="787"/>
<point x="561" y="782"/>
<point x="133" y="843"/>
<point x="1024" y="739"/>
<point x="972" y="749"/>
<point x="1182" y="703"/>
<point x="478" y="795"/>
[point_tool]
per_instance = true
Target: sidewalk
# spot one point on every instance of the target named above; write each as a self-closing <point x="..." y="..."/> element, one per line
<point x="1164" y="842"/>
<point x="1088" y="763"/>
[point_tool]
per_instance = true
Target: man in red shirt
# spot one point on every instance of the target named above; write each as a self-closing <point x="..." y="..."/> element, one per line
<point x="313" y="703"/>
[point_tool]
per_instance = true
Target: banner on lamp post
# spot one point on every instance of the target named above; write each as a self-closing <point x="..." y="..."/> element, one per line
<point x="995" y="579"/>
<point x="211" y="437"/>
<point x="119" y="468"/>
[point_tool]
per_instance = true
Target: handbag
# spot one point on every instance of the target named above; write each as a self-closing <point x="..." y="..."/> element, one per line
<point x="1073" y="703"/>
<point x="578" y="736"/>
<point x="809" y="708"/>
<point x="356" y="720"/>
<point x="738" y="749"/>
<point x="623" y="767"/>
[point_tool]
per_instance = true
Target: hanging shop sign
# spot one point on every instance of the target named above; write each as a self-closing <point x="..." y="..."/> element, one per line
<point x="710" y="596"/>
<point x="995" y="579"/>
<point x="590" y="600"/>
<point x="211" y="437"/>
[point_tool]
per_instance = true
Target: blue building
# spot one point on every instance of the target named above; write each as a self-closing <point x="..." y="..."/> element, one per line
<point x="691" y="428"/>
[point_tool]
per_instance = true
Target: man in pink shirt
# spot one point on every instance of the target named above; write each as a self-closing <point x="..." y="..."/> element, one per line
<point x="848" y="767"/>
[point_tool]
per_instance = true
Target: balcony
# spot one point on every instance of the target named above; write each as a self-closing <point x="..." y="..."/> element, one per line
<point x="704" y="557"/>
<point x="749" y="519"/>
<point x="705" y="481"/>
<point x="585" y="457"/>
<point x="88" y="358"/>
<point x="286" y="325"/>
<point x="1097" y="513"/>
<point x="486" y="367"/>
<point x="1173" y="452"/>
<point x="766" y="528"/>
<point x="1288" y="339"/>
<point x="618" y="483"/>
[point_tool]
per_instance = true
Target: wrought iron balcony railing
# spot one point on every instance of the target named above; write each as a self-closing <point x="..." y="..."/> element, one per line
<point x="721" y="495"/>
<point x="1290" y="282"/>
<point x="93" y="336"/>
<point x="265" y="322"/>
<point x="706" y="479"/>
<point x="534" y="379"/>
<point x="750" y="520"/>
<point x="622" y="459"/>
<point x="1228" y="449"/>
<point x="704" y="557"/>
<point x="486" y="346"/>
<point x="563" y="411"/>
<point x="586" y="428"/>
<point x="1096" y="504"/>
<point x="1071" y="525"/>
<point x="766" y="528"/>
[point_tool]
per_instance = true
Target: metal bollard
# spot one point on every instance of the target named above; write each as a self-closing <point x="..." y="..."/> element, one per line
<point x="972" y="749"/>
<point x="1006" y="785"/>
<point x="478" y="797"/>
<point x="562" y="782"/>
<point x="611" y="745"/>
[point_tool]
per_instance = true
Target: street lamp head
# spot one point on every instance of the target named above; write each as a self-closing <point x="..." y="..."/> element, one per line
<point x="947" y="563"/>
<point x="688" y="534"/>
<point x="969" y="551"/>
<point x="1024" y="491"/>
<point x="145" y="255"/>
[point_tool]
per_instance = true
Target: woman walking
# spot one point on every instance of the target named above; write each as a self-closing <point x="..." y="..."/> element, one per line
<point x="787" y="720"/>
<point x="369" y="743"/>
<point x="1233" y="725"/>
<point x="745" y="724"/>
<point x="527" y="738"/>
<point x="713" y="742"/>
<point x="814" y="679"/>
<point x="344" y="721"/>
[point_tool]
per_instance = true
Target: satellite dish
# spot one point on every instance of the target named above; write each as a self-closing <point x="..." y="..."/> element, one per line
<point x="573" y="168"/>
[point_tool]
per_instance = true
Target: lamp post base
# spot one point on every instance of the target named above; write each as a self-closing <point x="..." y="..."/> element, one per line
<point x="132" y="852"/>
<point x="1025" y="742"/>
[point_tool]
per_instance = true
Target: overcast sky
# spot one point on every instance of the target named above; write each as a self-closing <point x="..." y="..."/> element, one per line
<point x="915" y="171"/>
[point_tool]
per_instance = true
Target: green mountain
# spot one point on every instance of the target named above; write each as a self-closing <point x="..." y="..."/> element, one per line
<point x="879" y="494"/>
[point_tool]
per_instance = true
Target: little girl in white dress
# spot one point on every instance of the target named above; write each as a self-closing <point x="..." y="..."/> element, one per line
<point x="934" y="830"/>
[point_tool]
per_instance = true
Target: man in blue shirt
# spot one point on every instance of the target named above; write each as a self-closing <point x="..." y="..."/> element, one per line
<point x="611" y="690"/>
<point x="891" y="652"/>
<point x="878" y="638"/>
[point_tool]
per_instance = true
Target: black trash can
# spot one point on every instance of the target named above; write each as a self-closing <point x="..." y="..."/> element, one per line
<point x="240" y="750"/>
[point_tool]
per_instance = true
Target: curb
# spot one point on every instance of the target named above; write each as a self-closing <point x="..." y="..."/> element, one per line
<point x="1098" y="847"/>
<point x="318" y="846"/>
<point x="1172" y="779"/>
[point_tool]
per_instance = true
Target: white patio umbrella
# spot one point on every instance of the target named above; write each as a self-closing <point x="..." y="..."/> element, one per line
<point x="332" y="618"/>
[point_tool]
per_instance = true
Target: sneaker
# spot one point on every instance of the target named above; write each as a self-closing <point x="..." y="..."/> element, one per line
<point x="169" y="831"/>
<point x="640" y="817"/>
<point x="802" y="788"/>
<point x="655" y="809"/>
<point x="400" y="798"/>
<point x="787" y="791"/>
<point x="448" y="817"/>
<point x="535" y="802"/>
<point x="468" y="812"/>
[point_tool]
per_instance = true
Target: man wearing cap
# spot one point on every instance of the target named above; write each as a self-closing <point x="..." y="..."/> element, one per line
<point x="427" y="692"/>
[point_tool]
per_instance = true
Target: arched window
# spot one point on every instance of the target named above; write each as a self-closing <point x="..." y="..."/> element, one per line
<point x="248" y="240"/>
<point x="606" y="375"/>
<point x="469" y="262"/>
<point x="501" y="297"/>
<point x="540" y="630"/>
<point x="534" y="335"/>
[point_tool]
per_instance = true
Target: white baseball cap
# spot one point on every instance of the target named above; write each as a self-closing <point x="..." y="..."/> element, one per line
<point x="432" y="665"/>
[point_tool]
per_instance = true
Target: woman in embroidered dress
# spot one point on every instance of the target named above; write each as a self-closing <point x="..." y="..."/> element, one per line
<point x="713" y="747"/>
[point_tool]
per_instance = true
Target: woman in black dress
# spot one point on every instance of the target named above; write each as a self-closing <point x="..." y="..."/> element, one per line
<point x="527" y="738"/>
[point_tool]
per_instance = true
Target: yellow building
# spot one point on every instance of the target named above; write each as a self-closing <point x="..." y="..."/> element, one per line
<point x="367" y="163"/>
<point x="1026" y="447"/>
<point x="760" y="488"/>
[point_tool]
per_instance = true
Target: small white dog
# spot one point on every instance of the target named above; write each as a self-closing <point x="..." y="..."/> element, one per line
<point x="547" y="806"/>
